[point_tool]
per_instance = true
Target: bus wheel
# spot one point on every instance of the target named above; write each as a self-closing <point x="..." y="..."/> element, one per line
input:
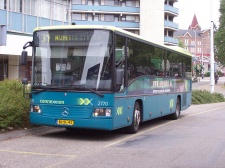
<point x="176" y="114"/>
<point x="133" y="128"/>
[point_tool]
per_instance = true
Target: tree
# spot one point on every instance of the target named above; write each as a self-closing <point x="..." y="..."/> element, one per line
<point x="180" y="43"/>
<point x="219" y="38"/>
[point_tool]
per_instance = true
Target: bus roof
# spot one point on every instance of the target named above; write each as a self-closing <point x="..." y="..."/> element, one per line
<point x="116" y="29"/>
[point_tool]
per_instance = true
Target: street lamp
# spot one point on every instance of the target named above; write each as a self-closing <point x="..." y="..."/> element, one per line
<point x="212" y="51"/>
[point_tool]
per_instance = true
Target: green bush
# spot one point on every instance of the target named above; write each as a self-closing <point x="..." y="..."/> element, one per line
<point x="207" y="74"/>
<point x="14" y="108"/>
<point x="205" y="97"/>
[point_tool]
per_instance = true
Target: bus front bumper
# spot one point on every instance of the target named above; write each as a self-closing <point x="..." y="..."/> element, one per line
<point x="91" y="123"/>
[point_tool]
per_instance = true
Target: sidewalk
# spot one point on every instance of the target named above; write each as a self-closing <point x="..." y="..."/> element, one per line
<point x="218" y="88"/>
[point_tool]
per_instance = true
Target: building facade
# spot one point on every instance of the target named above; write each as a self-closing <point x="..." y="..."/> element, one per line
<point x="152" y="19"/>
<point x="170" y="27"/>
<point x="197" y="42"/>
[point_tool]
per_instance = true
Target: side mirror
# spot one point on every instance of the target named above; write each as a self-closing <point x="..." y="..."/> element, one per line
<point x="26" y="89"/>
<point x="23" y="58"/>
<point x="119" y="77"/>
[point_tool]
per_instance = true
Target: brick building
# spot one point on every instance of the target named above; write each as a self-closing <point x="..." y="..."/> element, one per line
<point x="197" y="42"/>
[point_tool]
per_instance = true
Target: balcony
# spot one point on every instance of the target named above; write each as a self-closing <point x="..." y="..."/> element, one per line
<point x="24" y="23"/>
<point x="170" y="25"/>
<point x="170" y="40"/>
<point x="105" y="9"/>
<point x="117" y="24"/>
<point x="171" y="10"/>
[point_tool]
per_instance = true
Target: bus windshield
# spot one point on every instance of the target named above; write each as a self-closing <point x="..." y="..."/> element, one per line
<point x="73" y="59"/>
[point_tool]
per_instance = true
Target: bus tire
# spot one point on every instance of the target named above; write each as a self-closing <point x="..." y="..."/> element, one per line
<point x="133" y="128"/>
<point x="176" y="114"/>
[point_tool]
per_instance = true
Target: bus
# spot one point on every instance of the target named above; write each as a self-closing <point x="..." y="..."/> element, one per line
<point x="103" y="77"/>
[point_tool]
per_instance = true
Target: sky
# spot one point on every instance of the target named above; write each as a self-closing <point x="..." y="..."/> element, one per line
<point x="201" y="8"/>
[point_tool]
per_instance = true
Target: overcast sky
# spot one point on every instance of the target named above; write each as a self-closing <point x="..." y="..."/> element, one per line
<point x="202" y="9"/>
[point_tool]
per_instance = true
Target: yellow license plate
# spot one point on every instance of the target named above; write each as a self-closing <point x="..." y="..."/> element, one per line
<point x="65" y="122"/>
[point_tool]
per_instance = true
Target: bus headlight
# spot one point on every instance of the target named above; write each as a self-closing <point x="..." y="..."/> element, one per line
<point x="102" y="112"/>
<point x="35" y="108"/>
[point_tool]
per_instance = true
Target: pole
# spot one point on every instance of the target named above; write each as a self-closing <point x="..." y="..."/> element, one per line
<point x="202" y="53"/>
<point x="212" y="52"/>
<point x="195" y="55"/>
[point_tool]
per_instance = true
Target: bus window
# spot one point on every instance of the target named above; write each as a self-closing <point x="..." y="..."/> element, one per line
<point x="175" y="69"/>
<point x="144" y="60"/>
<point x="120" y="56"/>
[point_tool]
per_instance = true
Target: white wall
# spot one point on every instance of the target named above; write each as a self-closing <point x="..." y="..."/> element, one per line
<point x="14" y="45"/>
<point x="13" y="67"/>
<point x="152" y="20"/>
<point x="12" y="50"/>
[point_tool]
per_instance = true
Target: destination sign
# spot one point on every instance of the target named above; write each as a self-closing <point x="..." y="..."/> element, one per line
<point x="70" y="37"/>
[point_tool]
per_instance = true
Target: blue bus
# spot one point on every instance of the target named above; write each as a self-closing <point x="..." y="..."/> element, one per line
<point x="102" y="77"/>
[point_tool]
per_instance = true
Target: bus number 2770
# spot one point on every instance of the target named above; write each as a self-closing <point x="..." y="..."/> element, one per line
<point x="102" y="103"/>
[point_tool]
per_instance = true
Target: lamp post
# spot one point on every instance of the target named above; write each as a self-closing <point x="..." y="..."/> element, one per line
<point x="212" y="52"/>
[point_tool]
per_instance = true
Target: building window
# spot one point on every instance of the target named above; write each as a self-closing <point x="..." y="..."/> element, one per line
<point x="96" y="17"/>
<point x="109" y="18"/>
<point x="45" y="6"/>
<point x="130" y="18"/>
<point x="116" y="18"/>
<point x="3" y="4"/>
<point x="34" y="8"/>
<point x="96" y="2"/>
<point x="116" y="2"/>
<point x="89" y="17"/>
<point x="112" y="2"/>
<point x="76" y="16"/>
<point x="59" y="12"/>
<point x="15" y="5"/>
<point x="93" y="2"/>
<point x="27" y="7"/>
<point x="131" y="3"/>
<point x="123" y="18"/>
<point x="89" y="2"/>
<point x="30" y="7"/>
<point x="76" y="1"/>
<point x="186" y="42"/>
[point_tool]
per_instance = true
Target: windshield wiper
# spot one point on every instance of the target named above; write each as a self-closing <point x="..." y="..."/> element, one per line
<point x="98" y="93"/>
<point x="89" y="89"/>
<point x="38" y="91"/>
